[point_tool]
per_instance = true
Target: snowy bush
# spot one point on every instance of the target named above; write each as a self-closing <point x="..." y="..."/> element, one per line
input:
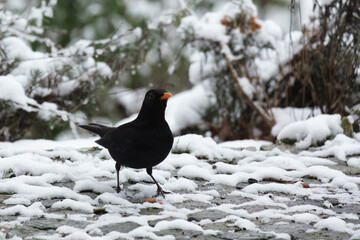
<point x="244" y="61"/>
<point x="43" y="85"/>
<point x="313" y="131"/>
<point x="46" y="86"/>
<point x="325" y="71"/>
<point x="237" y="53"/>
<point x="254" y="69"/>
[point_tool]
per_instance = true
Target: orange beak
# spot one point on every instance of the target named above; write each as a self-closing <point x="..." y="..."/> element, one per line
<point x="166" y="96"/>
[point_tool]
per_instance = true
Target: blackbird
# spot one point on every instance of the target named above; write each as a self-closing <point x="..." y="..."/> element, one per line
<point x="141" y="143"/>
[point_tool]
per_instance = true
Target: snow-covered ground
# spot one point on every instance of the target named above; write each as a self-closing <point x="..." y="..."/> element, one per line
<point x="234" y="190"/>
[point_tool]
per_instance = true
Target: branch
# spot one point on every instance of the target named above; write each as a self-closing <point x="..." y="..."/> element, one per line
<point x="268" y="117"/>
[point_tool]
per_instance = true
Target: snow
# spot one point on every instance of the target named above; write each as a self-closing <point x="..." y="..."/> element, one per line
<point x="340" y="147"/>
<point x="202" y="66"/>
<point x="65" y="88"/>
<point x="32" y="73"/>
<point x="73" y="205"/>
<point x="131" y="100"/>
<point x="245" y="224"/>
<point x="35" y="210"/>
<point x="200" y="172"/>
<point x="185" y="109"/>
<point x="332" y="223"/>
<point x="306" y="218"/>
<point x="247" y="87"/>
<point x="253" y="187"/>
<point x="180" y="184"/>
<point x="353" y="162"/>
<point x="10" y="89"/>
<point x="177" y="224"/>
<point x="210" y="29"/>
<point x="285" y="116"/>
<point x="311" y="131"/>
<point x="241" y="144"/>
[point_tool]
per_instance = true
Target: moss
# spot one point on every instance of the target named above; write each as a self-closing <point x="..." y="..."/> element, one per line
<point x="289" y="141"/>
<point x="322" y="142"/>
<point x="177" y="150"/>
<point x="347" y="127"/>
<point x="8" y="174"/>
<point x="100" y="211"/>
<point x="202" y="157"/>
<point x="92" y="149"/>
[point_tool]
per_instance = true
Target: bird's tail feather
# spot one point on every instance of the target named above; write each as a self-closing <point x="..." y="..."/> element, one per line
<point x="96" y="128"/>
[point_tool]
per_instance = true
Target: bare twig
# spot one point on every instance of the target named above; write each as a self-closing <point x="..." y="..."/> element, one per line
<point x="267" y="116"/>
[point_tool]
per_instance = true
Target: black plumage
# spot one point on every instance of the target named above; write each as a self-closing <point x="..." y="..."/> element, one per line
<point x="143" y="142"/>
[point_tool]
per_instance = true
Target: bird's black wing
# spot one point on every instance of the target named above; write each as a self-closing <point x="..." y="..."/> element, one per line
<point x="121" y="138"/>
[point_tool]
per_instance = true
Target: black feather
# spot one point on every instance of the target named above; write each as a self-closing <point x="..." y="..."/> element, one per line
<point x="99" y="129"/>
<point x="142" y="143"/>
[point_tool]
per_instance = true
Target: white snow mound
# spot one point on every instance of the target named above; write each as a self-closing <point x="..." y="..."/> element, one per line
<point x="312" y="130"/>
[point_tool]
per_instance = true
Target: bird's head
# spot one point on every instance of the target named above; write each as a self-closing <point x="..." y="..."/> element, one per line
<point x="154" y="104"/>
<point x="156" y="96"/>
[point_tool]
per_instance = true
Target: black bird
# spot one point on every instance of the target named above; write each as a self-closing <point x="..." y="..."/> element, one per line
<point x="142" y="143"/>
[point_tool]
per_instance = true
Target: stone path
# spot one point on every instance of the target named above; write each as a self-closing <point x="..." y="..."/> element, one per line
<point x="211" y="211"/>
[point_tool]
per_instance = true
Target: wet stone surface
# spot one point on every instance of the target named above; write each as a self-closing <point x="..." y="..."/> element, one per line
<point x="212" y="211"/>
<point x="207" y="214"/>
<point x="41" y="226"/>
<point x="120" y="227"/>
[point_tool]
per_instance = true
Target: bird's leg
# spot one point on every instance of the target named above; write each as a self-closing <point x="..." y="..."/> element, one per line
<point x="159" y="189"/>
<point x="117" y="167"/>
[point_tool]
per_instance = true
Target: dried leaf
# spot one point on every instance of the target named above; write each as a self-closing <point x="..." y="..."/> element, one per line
<point x="150" y="200"/>
<point x="225" y="21"/>
<point x="305" y="185"/>
<point x="278" y="180"/>
<point x="5" y="227"/>
<point x="153" y="200"/>
<point x="253" y="24"/>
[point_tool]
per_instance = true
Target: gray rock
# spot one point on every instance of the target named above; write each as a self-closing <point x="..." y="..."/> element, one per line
<point x="43" y="226"/>
<point x="152" y="223"/>
<point x="180" y="234"/>
<point x="346" y="169"/>
<point x="207" y="214"/>
<point x="150" y="211"/>
<point x="119" y="227"/>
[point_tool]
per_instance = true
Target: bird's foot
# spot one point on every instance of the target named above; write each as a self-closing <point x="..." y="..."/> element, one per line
<point x="161" y="192"/>
<point x="118" y="189"/>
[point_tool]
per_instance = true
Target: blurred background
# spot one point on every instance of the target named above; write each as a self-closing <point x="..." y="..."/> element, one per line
<point x="101" y="56"/>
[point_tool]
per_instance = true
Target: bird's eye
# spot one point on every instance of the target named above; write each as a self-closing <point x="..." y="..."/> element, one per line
<point x="152" y="96"/>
